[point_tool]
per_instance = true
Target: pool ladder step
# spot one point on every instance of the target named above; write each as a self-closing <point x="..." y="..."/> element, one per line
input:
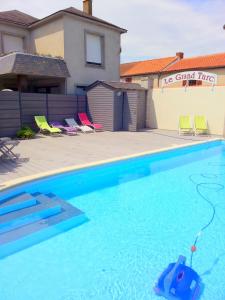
<point x="18" y="202"/>
<point x="27" y="219"/>
<point x="43" y="208"/>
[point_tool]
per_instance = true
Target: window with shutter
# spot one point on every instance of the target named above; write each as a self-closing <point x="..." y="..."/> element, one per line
<point x="94" y="49"/>
<point x="12" y="43"/>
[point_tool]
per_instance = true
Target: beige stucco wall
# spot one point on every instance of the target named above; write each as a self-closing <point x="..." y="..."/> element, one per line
<point x="220" y="72"/>
<point x="146" y="81"/>
<point x="165" y="107"/>
<point x="75" y="53"/>
<point x="48" y="38"/>
<point x="17" y="31"/>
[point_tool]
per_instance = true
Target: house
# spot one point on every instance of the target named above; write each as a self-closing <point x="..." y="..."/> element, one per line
<point x="180" y="86"/>
<point x="212" y="64"/>
<point x="147" y="72"/>
<point x="151" y="73"/>
<point x="61" y="53"/>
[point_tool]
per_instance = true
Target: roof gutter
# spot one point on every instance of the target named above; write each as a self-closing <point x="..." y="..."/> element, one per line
<point x="139" y="74"/>
<point x="194" y="68"/>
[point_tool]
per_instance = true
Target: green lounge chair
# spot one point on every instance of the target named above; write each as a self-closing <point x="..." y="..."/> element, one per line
<point x="201" y="126"/>
<point x="185" y="125"/>
<point x="44" y="126"/>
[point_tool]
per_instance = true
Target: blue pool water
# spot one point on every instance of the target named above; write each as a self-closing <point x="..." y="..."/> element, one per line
<point x="143" y="213"/>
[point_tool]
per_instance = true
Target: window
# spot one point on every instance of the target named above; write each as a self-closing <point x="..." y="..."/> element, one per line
<point x="12" y="43"/>
<point x="128" y="79"/>
<point x="94" y="49"/>
<point x="192" y="82"/>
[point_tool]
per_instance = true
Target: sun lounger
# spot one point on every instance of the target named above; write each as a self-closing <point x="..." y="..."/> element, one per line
<point x="201" y="126"/>
<point x="72" y="123"/>
<point x="67" y="129"/>
<point x="185" y="125"/>
<point x="6" y="147"/>
<point x="85" y="121"/>
<point x="44" y="126"/>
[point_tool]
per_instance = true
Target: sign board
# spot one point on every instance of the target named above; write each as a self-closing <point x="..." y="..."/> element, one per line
<point x="210" y="78"/>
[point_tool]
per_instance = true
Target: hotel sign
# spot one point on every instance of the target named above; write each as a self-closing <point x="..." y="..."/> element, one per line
<point x="210" y="78"/>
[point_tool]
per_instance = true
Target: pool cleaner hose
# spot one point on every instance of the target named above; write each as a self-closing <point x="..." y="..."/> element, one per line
<point x="216" y="187"/>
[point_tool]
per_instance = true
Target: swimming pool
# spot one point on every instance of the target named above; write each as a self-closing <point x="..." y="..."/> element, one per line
<point x="142" y="214"/>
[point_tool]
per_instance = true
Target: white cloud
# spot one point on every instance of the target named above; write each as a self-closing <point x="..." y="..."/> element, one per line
<point x="155" y="28"/>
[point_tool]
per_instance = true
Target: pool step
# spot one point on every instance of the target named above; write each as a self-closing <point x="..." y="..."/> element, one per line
<point x="44" y="208"/>
<point x="47" y="217"/>
<point x="21" y="201"/>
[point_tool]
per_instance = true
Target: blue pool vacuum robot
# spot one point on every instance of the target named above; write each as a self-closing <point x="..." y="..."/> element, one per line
<point x="178" y="281"/>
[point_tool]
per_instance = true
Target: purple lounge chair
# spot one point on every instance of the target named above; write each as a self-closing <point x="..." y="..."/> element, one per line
<point x="68" y="130"/>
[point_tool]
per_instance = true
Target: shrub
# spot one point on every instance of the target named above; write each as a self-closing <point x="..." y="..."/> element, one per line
<point x="25" y="133"/>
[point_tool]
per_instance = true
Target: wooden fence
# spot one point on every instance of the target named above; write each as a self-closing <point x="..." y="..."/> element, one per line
<point x="18" y="109"/>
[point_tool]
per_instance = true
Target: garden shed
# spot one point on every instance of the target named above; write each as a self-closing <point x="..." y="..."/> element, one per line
<point x="117" y="105"/>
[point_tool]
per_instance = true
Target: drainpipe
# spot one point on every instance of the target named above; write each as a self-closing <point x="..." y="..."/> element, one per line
<point x="159" y="76"/>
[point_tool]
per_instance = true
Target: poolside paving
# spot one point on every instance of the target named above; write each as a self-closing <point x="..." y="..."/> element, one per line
<point x="47" y="153"/>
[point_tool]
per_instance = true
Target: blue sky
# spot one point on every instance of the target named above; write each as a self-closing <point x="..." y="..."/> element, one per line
<point x="155" y="28"/>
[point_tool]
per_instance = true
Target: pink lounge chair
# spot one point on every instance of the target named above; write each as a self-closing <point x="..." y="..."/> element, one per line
<point x="85" y="121"/>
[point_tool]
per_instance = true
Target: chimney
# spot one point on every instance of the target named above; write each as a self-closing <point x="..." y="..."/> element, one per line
<point x="87" y="7"/>
<point x="180" y="55"/>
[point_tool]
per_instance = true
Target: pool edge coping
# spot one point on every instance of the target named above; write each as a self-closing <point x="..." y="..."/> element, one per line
<point x="27" y="179"/>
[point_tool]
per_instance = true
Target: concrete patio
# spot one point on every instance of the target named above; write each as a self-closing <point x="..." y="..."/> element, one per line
<point x="47" y="153"/>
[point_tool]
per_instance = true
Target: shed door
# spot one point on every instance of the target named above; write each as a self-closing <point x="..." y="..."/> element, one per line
<point x="125" y="112"/>
<point x="121" y="111"/>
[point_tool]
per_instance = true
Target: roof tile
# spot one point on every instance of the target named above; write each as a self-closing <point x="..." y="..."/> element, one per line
<point x="146" y="67"/>
<point x="17" y="17"/>
<point x="33" y="65"/>
<point x="117" y="85"/>
<point x="199" y="62"/>
<point x="22" y="19"/>
<point x="80" y="13"/>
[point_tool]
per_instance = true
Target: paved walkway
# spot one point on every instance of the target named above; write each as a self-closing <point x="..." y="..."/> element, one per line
<point x="46" y="153"/>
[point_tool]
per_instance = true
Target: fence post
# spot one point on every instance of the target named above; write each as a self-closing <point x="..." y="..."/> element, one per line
<point x="47" y="108"/>
<point x="77" y="110"/>
<point x="20" y="109"/>
<point x="86" y="104"/>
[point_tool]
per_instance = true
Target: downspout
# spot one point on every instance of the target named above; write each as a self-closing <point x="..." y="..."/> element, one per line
<point x="159" y="76"/>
